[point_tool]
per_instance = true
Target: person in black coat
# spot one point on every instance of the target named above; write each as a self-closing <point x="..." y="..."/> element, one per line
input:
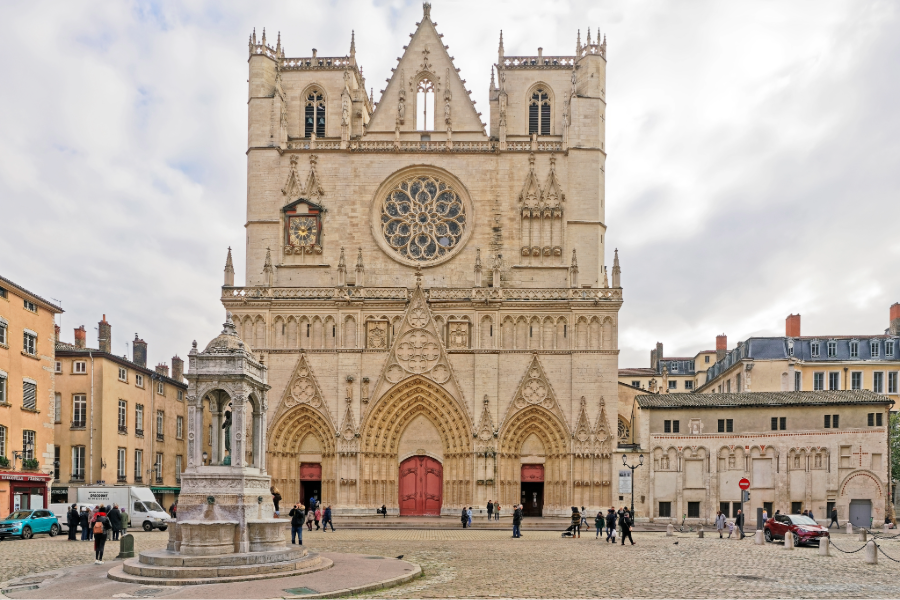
<point x="115" y="521"/>
<point x="626" y="527"/>
<point x="739" y="522"/>
<point x="517" y="521"/>
<point x="84" y="519"/>
<point x="72" y="521"/>
<point x="297" y="516"/>
<point x="611" y="518"/>
<point x="464" y="517"/>
<point x="834" y="519"/>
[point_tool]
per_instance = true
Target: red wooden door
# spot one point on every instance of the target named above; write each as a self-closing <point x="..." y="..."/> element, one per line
<point x="421" y="486"/>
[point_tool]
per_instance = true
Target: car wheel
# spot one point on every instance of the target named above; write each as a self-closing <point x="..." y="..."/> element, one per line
<point x="148" y="526"/>
<point x="769" y="535"/>
<point x="797" y="541"/>
<point x="54" y="529"/>
<point x="27" y="534"/>
<point x="163" y="528"/>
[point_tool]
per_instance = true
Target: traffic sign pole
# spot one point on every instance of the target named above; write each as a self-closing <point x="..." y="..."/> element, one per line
<point x="744" y="484"/>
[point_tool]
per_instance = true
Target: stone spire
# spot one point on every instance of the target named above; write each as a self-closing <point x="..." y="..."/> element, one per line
<point x="360" y="270"/>
<point x="268" y="269"/>
<point x="617" y="271"/>
<point x="342" y="269"/>
<point x="500" y="51"/>
<point x="229" y="270"/>
<point x="589" y="37"/>
<point x="493" y="85"/>
<point x="352" y="44"/>
<point x="278" y="45"/>
<point x="477" y="267"/>
<point x="578" y="45"/>
<point x="573" y="271"/>
<point x="426" y="10"/>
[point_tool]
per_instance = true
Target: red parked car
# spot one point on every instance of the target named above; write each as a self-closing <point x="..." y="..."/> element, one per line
<point x="802" y="528"/>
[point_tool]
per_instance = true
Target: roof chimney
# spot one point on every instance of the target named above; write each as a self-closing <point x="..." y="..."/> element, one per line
<point x="139" y="352"/>
<point x="56" y="330"/>
<point x="177" y="369"/>
<point x="162" y="369"/>
<point x="895" y="318"/>
<point x="792" y="326"/>
<point x="104" y="336"/>
<point x="80" y="337"/>
<point x="721" y="346"/>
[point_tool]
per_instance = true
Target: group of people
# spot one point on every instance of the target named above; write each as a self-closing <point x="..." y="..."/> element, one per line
<point x="98" y="525"/>
<point x="723" y="523"/>
<point x="315" y="515"/>
<point x="619" y="524"/>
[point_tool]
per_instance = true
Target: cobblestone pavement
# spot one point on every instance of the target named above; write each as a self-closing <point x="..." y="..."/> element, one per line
<point x="466" y="563"/>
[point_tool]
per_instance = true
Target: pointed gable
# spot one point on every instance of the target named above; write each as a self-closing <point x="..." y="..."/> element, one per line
<point x="535" y="390"/>
<point x="486" y="430"/>
<point x="426" y="56"/>
<point x="302" y="388"/>
<point x="531" y="191"/>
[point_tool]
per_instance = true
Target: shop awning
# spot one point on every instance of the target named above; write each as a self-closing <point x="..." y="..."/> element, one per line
<point x="165" y="489"/>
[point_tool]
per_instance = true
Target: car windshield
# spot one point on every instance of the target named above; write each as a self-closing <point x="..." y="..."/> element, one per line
<point x="19" y="514"/>
<point x="153" y="506"/>
<point x="801" y="520"/>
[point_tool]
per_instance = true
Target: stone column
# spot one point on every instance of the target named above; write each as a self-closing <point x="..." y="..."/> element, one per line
<point x="193" y="447"/>
<point x="215" y="454"/>
<point x="263" y="443"/>
<point x="238" y="427"/>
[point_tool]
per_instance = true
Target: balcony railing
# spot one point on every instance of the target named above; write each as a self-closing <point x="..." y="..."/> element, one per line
<point x="159" y="437"/>
<point x="159" y="479"/>
<point x="121" y="479"/>
<point x="123" y="429"/>
<point x="77" y="477"/>
<point x="138" y="479"/>
<point x="401" y="293"/>
<point x="79" y="424"/>
<point x="139" y="432"/>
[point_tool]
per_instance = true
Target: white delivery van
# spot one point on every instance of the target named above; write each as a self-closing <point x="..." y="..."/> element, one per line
<point x="62" y="513"/>
<point x="138" y="501"/>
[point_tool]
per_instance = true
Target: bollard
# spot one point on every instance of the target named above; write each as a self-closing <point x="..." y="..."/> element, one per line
<point x="863" y="535"/>
<point x="700" y="533"/>
<point x="871" y="553"/>
<point x="788" y="541"/>
<point x="824" y="546"/>
<point x="849" y="528"/>
<point x="126" y="546"/>
<point x="759" y="538"/>
<point x="884" y="528"/>
<point x="670" y="530"/>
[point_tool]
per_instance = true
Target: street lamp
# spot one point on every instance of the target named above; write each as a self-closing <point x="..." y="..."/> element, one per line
<point x="632" y="467"/>
<point x="27" y="451"/>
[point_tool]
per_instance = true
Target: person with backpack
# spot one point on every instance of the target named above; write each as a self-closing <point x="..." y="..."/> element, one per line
<point x="296" y="516"/>
<point x="575" y="527"/>
<point x="497" y="511"/>
<point x="626" y="527"/>
<point x="93" y="517"/>
<point x="100" y="528"/>
<point x="611" y="519"/>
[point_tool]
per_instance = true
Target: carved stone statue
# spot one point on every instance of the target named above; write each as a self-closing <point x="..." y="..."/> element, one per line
<point x="345" y="110"/>
<point x="226" y="425"/>
<point x="401" y="107"/>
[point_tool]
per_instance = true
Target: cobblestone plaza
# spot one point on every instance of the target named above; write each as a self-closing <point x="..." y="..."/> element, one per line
<point x="473" y="563"/>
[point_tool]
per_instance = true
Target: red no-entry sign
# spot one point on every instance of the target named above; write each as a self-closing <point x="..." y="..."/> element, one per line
<point x="744" y="484"/>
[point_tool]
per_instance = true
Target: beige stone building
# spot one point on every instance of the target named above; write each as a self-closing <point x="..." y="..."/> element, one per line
<point x="427" y="289"/>
<point x="672" y="374"/>
<point x="116" y="420"/>
<point x="27" y="339"/>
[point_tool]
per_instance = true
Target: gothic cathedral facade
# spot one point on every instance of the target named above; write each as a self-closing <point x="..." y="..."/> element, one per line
<point x="428" y="292"/>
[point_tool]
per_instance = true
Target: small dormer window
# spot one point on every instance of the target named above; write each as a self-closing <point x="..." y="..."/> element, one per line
<point x="874" y="348"/>
<point x="814" y="349"/>
<point x="832" y="349"/>
<point x="854" y="349"/>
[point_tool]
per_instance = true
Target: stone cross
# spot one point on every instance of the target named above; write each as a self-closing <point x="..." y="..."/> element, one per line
<point x="860" y="454"/>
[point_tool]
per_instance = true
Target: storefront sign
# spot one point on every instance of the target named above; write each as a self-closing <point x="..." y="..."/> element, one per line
<point x="22" y="477"/>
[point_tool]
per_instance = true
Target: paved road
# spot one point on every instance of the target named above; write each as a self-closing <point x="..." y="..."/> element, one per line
<point x="466" y="563"/>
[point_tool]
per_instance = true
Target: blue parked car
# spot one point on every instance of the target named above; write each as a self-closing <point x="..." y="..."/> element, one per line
<point x="26" y="523"/>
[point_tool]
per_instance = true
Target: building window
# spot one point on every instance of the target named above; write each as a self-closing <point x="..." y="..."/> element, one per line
<point x="665" y="509"/>
<point x="726" y="425"/>
<point x="782" y="423"/>
<point x="120" y="465"/>
<point x="689" y="385"/>
<point x="159" y="425"/>
<point x="875" y="419"/>
<point x="667" y="426"/>
<point x="728" y="387"/>
<point x="2" y="292"/>
<point x="889" y="348"/>
<point x="706" y="358"/>
<point x="178" y="462"/>
<point x="314" y="118"/>
<point x="28" y="443"/>
<point x="158" y="467"/>
<point x="123" y="374"/>
<point x="834" y="380"/>
<point x="539" y="112"/>
<point x="29" y="395"/>
<point x="3" y="326"/>
<point x="878" y="382"/>
<point x="3" y="399"/>
<point x="673" y="385"/>
<point x="58" y="367"/>
<point x="856" y="380"/>
<point x="636" y="384"/>
<point x="675" y="426"/>
<point x="180" y="396"/>
<point x="3" y="441"/>
<point x="138" y="459"/>
<point x="832" y="349"/>
<point x="79" y="366"/>
<point x="790" y="347"/>
<point x="892" y="382"/>
<point x="873" y="347"/>
<point x="818" y="381"/>
<point x="854" y="349"/>
<point x="834" y="421"/>
<point x="160" y="388"/>
<point x="798" y="379"/>
<point x="139" y="419"/>
<point x="737" y="383"/>
<point x="79" y="410"/>
<point x="57" y="408"/>
<point x="693" y="511"/>
<point x="30" y="306"/>
<point x="814" y="349"/>
<point x="139" y="380"/>
<point x="674" y="367"/>
<point x="78" y="463"/>
<point x="29" y="342"/>
<point x="827" y="421"/>
<point x="179" y="427"/>
<point x="425" y="105"/>
<point x="209" y="437"/>
<point x="123" y="416"/>
<point x="56" y="462"/>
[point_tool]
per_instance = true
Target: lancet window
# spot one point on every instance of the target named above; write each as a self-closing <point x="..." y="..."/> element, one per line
<point x="539" y="112"/>
<point x="425" y="105"/>
<point x="314" y="119"/>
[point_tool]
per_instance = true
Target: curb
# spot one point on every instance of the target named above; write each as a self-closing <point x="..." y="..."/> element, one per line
<point x="370" y="587"/>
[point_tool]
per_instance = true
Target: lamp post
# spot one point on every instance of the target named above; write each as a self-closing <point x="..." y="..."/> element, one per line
<point x="24" y="453"/>
<point x="632" y="467"/>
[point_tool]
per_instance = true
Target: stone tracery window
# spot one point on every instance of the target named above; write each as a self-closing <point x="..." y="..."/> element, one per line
<point x="423" y="219"/>
<point x="539" y="112"/>
<point x="425" y="105"/>
<point x="624" y="431"/>
<point x="314" y="117"/>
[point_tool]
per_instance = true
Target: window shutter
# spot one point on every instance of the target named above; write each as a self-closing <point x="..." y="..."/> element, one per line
<point x="29" y="395"/>
<point x="545" y="118"/>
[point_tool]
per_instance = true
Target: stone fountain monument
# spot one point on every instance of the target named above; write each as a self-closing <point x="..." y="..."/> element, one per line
<point x="226" y="530"/>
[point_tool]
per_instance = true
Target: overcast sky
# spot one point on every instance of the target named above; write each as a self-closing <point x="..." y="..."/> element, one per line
<point x="754" y="153"/>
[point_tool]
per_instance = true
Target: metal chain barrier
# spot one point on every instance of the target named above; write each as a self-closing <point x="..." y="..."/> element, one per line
<point x="833" y="545"/>
<point x="886" y="554"/>
<point x="882" y="536"/>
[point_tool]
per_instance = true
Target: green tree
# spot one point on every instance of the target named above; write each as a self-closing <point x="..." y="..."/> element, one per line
<point x="894" y="441"/>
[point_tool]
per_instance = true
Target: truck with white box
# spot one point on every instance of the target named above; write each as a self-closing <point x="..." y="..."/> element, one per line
<point x="140" y="503"/>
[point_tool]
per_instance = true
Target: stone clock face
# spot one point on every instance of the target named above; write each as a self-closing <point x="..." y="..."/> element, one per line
<point x="303" y="231"/>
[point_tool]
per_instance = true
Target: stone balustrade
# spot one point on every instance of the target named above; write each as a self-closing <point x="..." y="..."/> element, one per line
<point x="401" y="293"/>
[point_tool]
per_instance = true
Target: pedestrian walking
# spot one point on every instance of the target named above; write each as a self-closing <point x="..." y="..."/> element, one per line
<point x="296" y="516"/>
<point x="310" y="516"/>
<point x="490" y="507"/>
<point x="126" y="520"/>
<point x="517" y="522"/>
<point x="115" y="521"/>
<point x="173" y="510"/>
<point x="810" y="514"/>
<point x="72" y="520"/>
<point x="469" y="514"/>
<point x="584" y="520"/>
<point x="575" y="527"/>
<point x="720" y="522"/>
<point x="464" y="517"/>
<point x="326" y="519"/>
<point x="611" y="518"/>
<point x="318" y="517"/>
<point x="739" y="523"/>
<point x="834" y="519"/>
<point x="383" y="511"/>
<point x="599" y="522"/>
<point x="84" y="519"/>
<point x="101" y="529"/>
<point x="276" y="500"/>
<point x="627" y="524"/>
<point x="765" y="518"/>
<point x="497" y="512"/>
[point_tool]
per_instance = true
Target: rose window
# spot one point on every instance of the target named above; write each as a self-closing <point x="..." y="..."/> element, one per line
<point x="423" y="219"/>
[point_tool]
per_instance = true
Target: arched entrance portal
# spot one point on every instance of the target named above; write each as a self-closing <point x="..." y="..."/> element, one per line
<point x="421" y="486"/>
